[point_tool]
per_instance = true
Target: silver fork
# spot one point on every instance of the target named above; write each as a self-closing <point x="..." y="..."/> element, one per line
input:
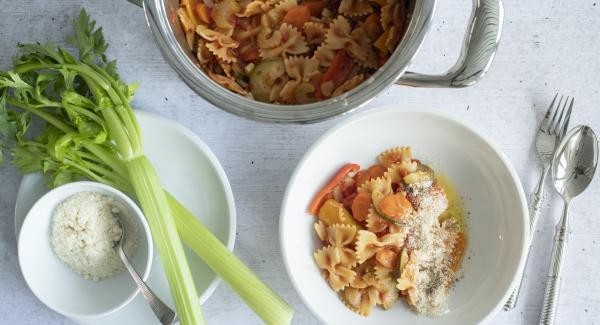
<point x="553" y="127"/>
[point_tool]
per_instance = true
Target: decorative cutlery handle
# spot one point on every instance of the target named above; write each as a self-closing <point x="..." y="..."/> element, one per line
<point x="554" y="272"/>
<point x="163" y="312"/>
<point x="537" y="198"/>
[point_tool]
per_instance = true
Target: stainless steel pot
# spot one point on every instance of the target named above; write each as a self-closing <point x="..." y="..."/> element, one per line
<point x="478" y="51"/>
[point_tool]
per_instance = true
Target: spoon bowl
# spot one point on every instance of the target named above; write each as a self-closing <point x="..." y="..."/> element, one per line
<point x="573" y="168"/>
<point x="575" y="162"/>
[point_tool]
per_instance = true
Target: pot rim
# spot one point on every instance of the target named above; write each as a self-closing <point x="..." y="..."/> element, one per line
<point x="183" y="61"/>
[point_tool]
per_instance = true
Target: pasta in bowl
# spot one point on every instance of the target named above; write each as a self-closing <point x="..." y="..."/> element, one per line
<point x="391" y="232"/>
<point x="495" y="223"/>
<point x="292" y="51"/>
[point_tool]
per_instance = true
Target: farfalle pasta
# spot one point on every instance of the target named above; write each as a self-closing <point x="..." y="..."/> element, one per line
<point x="300" y="70"/>
<point x="388" y="233"/>
<point x="287" y="40"/>
<point x="329" y="259"/>
<point x="239" y="42"/>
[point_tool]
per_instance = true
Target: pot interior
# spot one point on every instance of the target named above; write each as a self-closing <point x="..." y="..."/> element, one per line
<point x="165" y="25"/>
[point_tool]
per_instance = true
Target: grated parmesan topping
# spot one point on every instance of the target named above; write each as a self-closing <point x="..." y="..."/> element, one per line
<point x="84" y="232"/>
<point x="432" y="242"/>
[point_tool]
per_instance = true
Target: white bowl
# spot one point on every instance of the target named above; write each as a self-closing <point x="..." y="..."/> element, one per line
<point x="497" y="227"/>
<point x="54" y="283"/>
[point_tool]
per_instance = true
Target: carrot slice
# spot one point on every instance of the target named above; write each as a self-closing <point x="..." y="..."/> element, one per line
<point x="373" y="26"/>
<point x="315" y="7"/>
<point x="376" y="171"/>
<point x="325" y="192"/>
<point x="360" y="206"/>
<point x="297" y="16"/>
<point x="361" y="177"/>
<point x="395" y="206"/>
<point x="341" y="66"/>
<point x="202" y="12"/>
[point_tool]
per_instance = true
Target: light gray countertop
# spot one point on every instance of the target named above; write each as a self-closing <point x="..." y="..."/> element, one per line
<point x="547" y="46"/>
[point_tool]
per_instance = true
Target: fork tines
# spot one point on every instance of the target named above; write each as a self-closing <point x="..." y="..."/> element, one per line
<point x="556" y="121"/>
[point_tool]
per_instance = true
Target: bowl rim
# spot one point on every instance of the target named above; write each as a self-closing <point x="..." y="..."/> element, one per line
<point x="431" y="113"/>
<point x="89" y="186"/>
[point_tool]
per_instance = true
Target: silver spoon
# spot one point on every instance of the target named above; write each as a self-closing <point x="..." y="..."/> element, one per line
<point x="163" y="312"/>
<point x="573" y="168"/>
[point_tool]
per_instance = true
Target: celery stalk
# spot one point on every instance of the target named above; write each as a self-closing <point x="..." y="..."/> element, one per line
<point x="257" y="295"/>
<point x="91" y="133"/>
<point x="154" y="203"/>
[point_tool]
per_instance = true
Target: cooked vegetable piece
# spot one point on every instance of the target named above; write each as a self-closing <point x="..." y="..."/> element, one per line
<point x="386" y="257"/>
<point x="297" y="16"/>
<point x="264" y="76"/>
<point x="315" y="7"/>
<point x="188" y="5"/>
<point x="203" y="12"/>
<point x="390" y="220"/>
<point x="459" y="249"/>
<point x="325" y="192"/>
<point x="426" y="169"/>
<point x="376" y="171"/>
<point x="304" y="93"/>
<point x="251" y="54"/>
<point x="362" y="177"/>
<point x="360" y="206"/>
<point x="333" y="212"/>
<point x="402" y="260"/>
<point x="373" y="26"/>
<point x="341" y="66"/>
<point x="348" y="200"/>
<point x="380" y="42"/>
<point x="395" y="206"/>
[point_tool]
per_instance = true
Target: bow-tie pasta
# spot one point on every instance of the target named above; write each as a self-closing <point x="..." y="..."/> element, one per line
<point x="389" y="232"/>
<point x="239" y="42"/>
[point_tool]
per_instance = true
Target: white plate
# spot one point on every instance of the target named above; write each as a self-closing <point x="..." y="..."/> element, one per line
<point x="497" y="227"/>
<point x="191" y="172"/>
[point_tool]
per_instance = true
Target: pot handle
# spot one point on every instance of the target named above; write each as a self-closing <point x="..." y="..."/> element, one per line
<point x="477" y="54"/>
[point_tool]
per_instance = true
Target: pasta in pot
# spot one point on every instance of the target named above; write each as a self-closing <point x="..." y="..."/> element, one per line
<point x="247" y="46"/>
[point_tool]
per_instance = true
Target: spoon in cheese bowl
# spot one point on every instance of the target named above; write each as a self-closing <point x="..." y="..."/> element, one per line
<point x="573" y="168"/>
<point x="164" y="313"/>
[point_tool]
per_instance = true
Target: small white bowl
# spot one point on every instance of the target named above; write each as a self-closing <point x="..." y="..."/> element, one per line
<point x="54" y="283"/>
<point x="497" y="227"/>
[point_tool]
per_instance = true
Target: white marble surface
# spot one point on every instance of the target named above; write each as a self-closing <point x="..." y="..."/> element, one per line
<point x="547" y="46"/>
